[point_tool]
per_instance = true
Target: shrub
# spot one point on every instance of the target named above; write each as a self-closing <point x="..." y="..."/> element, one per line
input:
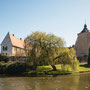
<point x="3" y="58"/>
<point x="13" y="67"/>
<point x="16" y="68"/>
<point x="2" y="67"/>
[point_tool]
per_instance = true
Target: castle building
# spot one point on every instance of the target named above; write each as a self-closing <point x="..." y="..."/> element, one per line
<point x="82" y="44"/>
<point x="12" y="46"/>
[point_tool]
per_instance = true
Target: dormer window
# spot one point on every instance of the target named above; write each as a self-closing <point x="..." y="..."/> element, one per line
<point x="5" y="48"/>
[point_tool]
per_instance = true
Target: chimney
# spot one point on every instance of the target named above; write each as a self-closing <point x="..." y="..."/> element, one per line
<point x="20" y="38"/>
<point x="13" y="34"/>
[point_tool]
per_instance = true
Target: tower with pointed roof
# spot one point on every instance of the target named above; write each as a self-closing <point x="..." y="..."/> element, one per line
<point x="83" y="42"/>
<point x="85" y="29"/>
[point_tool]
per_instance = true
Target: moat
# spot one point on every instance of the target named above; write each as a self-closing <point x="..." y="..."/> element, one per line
<point x="64" y="82"/>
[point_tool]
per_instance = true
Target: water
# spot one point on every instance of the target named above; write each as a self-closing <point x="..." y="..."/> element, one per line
<point x="67" y="82"/>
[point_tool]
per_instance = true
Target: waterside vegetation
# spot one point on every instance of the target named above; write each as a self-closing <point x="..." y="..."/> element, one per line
<point x="22" y="69"/>
<point x="46" y="55"/>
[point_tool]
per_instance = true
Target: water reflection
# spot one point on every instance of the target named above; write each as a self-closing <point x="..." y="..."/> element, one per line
<point x="68" y="82"/>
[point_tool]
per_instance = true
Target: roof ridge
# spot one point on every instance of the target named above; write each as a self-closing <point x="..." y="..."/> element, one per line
<point x="16" y="37"/>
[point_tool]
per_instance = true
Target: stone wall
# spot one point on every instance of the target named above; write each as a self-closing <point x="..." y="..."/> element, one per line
<point x="82" y="44"/>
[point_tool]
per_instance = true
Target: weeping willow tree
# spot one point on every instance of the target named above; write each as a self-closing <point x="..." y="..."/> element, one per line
<point x="67" y="57"/>
<point x="49" y="49"/>
<point x="44" y="48"/>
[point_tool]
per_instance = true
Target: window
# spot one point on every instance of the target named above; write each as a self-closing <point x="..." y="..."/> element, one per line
<point x="5" y="48"/>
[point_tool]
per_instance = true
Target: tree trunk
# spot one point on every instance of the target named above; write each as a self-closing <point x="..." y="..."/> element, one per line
<point x="54" y="67"/>
<point x="34" y="64"/>
<point x="34" y="67"/>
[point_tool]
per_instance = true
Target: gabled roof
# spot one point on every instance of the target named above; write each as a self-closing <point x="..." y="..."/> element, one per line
<point x="16" y="41"/>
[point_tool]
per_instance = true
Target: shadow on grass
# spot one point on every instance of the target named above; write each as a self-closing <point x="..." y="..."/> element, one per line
<point x="85" y="65"/>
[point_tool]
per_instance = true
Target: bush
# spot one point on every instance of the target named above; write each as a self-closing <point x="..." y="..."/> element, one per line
<point x="3" y="58"/>
<point x="2" y="67"/>
<point x="16" y="68"/>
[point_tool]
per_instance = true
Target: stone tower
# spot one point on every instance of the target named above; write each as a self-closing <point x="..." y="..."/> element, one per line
<point x="83" y="42"/>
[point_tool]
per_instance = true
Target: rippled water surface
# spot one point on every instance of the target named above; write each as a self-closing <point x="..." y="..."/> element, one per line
<point x="67" y="82"/>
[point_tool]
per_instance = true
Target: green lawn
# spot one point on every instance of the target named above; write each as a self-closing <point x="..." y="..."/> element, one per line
<point x="84" y="68"/>
<point x="47" y="70"/>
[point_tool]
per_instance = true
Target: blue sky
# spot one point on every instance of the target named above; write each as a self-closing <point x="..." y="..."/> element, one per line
<point x="64" y="18"/>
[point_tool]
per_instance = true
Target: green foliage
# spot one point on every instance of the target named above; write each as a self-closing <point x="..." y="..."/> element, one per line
<point x="13" y="68"/>
<point x="89" y="57"/>
<point x="84" y="68"/>
<point x="44" y="48"/>
<point x="67" y="57"/>
<point x="16" y="68"/>
<point x="57" y="72"/>
<point x="2" y="67"/>
<point x="3" y="58"/>
<point x="48" y="49"/>
<point x="44" y="68"/>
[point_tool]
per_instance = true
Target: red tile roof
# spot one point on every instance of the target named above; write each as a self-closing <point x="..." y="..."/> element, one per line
<point x="16" y="41"/>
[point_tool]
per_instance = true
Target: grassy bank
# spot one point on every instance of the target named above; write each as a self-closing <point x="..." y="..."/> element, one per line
<point x="84" y="68"/>
<point x="22" y="69"/>
<point x="47" y="70"/>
